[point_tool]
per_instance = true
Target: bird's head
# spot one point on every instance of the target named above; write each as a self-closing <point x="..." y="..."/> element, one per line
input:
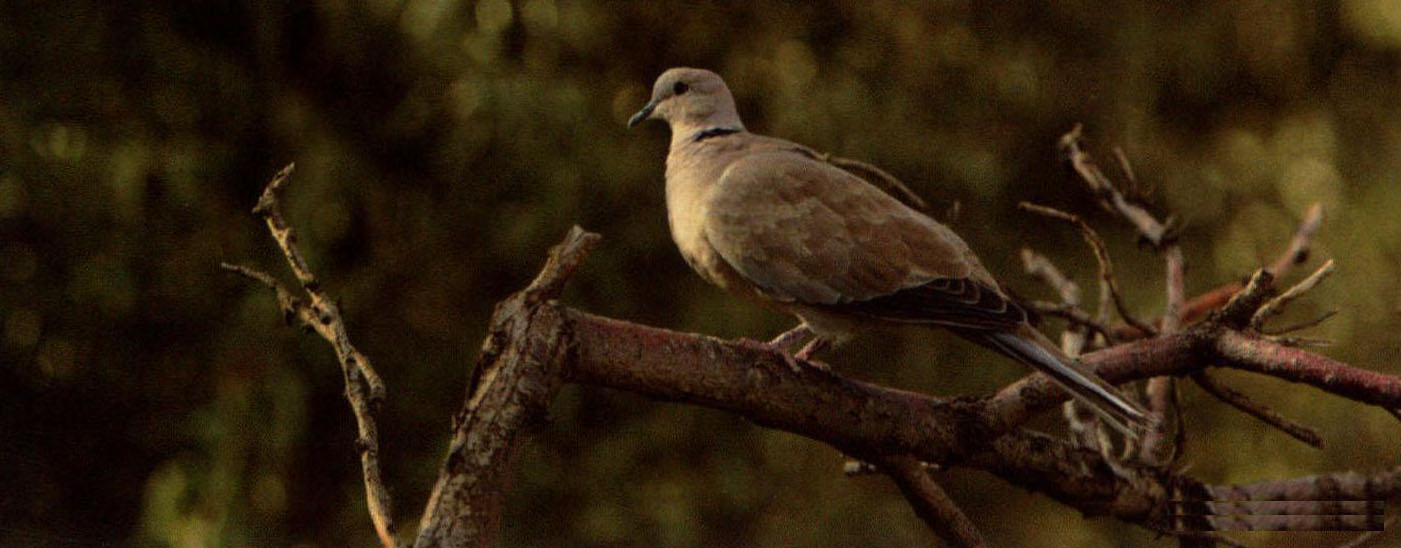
<point x="690" y="98"/>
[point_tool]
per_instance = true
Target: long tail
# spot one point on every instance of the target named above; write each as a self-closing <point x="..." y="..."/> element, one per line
<point x="1029" y="346"/>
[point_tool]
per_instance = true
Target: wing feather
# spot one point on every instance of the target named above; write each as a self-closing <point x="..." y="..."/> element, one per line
<point x="804" y="231"/>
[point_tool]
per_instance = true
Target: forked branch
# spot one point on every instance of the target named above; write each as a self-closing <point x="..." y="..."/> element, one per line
<point x="318" y="312"/>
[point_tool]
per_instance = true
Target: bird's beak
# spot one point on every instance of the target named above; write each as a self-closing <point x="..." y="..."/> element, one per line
<point x="642" y="115"/>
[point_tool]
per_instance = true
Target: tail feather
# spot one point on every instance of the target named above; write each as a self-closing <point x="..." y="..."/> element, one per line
<point x="1032" y="348"/>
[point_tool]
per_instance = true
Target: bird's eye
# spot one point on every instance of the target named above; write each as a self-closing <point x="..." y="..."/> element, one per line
<point x="680" y="88"/>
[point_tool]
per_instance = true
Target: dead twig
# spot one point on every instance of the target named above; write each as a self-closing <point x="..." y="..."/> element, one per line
<point x="1277" y="304"/>
<point x="1163" y="443"/>
<point x="522" y="364"/>
<point x="1162" y="391"/>
<point x="1083" y="423"/>
<point x="363" y="387"/>
<point x="930" y="502"/>
<point x="1106" y="268"/>
<point x="1238" y="311"/>
<point x="1301" y="243"/>
<point x="1041" y="268"/>
<point x="1244" y="351"/>
<point x="1074" y="315"/>
<point x="1110" y="199"/>
<point x="1302" y="325"/>
<point x="1300" y="246"/>
<point x="1127" y="169"/>
<point x="1264" y="414"/>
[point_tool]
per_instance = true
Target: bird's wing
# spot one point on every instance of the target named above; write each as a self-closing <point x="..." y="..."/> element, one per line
<point x="804" y="231"/>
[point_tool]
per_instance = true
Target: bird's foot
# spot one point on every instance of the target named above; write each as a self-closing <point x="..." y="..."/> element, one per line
<point x="771" y="348"/>
<point x="780" y="345"/>
<point x="800" y="363"/>
<point x="804" y="356"/>
<point x="818" y="344"/>
<point x="786" y="339"/>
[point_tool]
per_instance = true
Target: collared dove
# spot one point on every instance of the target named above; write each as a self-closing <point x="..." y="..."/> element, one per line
<point x="770" y="220"/>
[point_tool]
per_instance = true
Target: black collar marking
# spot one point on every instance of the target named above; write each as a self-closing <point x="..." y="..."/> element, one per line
<point x="713" y="132"/>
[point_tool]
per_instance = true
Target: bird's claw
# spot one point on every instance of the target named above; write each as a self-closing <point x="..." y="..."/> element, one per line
<point x="816" y="345"/>
<point x="811" y="364"/>
<point x="801" y="363"/>
<point x="796" y="362"/>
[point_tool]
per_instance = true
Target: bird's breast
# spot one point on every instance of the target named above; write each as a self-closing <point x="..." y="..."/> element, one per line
<point x="689" y="182"/>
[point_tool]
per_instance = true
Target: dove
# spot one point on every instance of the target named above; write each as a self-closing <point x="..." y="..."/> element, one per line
<point x="771" y="221"/>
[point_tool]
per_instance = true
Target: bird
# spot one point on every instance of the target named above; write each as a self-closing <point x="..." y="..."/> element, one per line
<point x="772" y="221"/>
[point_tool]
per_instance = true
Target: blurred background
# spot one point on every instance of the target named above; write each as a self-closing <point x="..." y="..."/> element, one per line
<point x="147" y="398"/>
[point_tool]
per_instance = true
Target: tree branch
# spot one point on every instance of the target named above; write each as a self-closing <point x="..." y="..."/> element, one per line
<point x="1106" y="194"/>
<point x="1194" y="349"/>
<point x="1341" y="501"/>
<point x="1251" y="353"/>
<point x="1163" y="441"/>
<point x="1264" y="414"/>
<point x="1083" y="423"/>
<point x="1277" y="304"/>
<point x="1300" y="245"/>
<point x="1073" y="314"/>
<point x="930" y="501"/>
<point x="516" y="376"/>
<point x="363" y="388"/>
<point x="1106" y="268"/>
<point x="859" y="418"/>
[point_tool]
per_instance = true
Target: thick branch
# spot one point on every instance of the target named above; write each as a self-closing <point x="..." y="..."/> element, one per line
<point x="855" y="417"/>
<point x="1340" y="501"/>
<point x="1374" y="486"/>
<point x="1191" y="350"/>
<point x="864" y="419"/>
<point x="516" y="377"/>
<point x="1174" y="354"/>
<point x="1250" y="353"/>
